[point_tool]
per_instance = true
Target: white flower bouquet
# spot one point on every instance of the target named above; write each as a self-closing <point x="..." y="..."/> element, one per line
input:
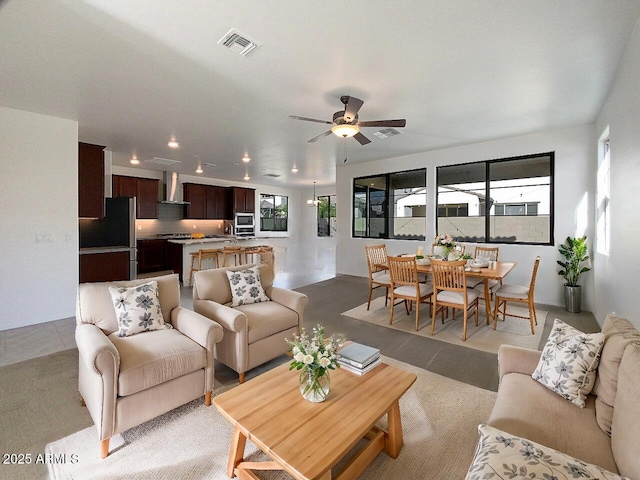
<point x="444" y="240"/>
<point x="314" y="357"/>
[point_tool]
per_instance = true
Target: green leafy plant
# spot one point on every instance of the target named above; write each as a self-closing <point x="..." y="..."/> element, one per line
<point x="575" y="253"/>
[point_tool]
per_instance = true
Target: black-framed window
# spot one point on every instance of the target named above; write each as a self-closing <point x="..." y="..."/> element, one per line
<point x="326" y="215"/>
<point x="274" y="212"/>
<point x="509" y="200"/>
<point x="390" y="205"/>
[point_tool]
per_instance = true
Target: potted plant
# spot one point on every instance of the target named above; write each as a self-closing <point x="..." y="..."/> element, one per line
<point x="574" y="252"/>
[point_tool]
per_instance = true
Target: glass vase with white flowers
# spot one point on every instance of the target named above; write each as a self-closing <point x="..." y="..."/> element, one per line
<point x="314" y="357"/>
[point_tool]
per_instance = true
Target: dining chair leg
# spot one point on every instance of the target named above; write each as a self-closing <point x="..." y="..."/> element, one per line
<point x="391" y="309"/>
<point x="504" y="310"/>
<point x="477" y="305"/>
<point x="533" y="307"/>
<point x="464" y="328"/>
<point x="386" y="296"/>
<point x="454" y="313"/>
<point x="417" y="314"/>
<point x="370" y="292"/>
<point x="531" y="317"/>
<point x="495" y="312"/>
<point x="487" y="299"/>
<point x="434" y="311"/>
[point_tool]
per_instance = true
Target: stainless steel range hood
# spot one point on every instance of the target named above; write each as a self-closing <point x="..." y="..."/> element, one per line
<point x="172" y="189"/>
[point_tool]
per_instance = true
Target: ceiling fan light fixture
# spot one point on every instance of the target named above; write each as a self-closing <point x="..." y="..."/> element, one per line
<point x="345" y="130"/>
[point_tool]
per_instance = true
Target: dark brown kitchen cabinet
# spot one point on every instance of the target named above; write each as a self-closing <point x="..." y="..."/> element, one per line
<point x="159" y="255"/>
<point x="206" y="202"/>
<point x="90" y="181"/>
<point x="243" y="200"/>
<point x="144" y="189"/>
<point x="104" y="267"/>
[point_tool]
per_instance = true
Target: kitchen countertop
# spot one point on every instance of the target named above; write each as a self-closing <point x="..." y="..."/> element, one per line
<point x="193" y="241"/>
<point x="94" y="250"/>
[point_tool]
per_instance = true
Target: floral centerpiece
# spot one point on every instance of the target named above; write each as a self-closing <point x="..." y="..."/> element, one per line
<point x="443" y="245"/>
<point x="314" y="357"/>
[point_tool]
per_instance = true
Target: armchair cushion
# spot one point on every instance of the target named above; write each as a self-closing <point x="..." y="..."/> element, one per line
<point x="246" y="287"/>
<point x="265" y="319"/>
<point x="154" y="358"/>
<point x="137" y="309"/>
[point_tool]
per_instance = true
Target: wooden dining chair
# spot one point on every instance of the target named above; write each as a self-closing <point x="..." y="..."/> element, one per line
<point x="489" y="253"/>
<point x="378" y="276"/>
<point x="450" y="290"/>
<point x="405" y="285"/>
<point x="519" y="294"/>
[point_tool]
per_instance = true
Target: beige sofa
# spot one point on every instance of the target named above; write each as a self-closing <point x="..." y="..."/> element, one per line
<point x="254" y="333"/>
<point x="527" y="409"/>
<point x="125" y="381"/>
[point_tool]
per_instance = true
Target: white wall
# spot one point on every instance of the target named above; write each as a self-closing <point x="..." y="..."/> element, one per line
<point x="617" y="275"/>
<point x="574" y="186"/>
<point x="38" y="197"/>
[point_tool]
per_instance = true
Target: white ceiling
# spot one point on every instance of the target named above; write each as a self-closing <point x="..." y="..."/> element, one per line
<point x="133" y="74"/>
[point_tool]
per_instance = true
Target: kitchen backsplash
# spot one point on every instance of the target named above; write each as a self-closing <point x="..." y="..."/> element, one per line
<point x="151" y="228"/>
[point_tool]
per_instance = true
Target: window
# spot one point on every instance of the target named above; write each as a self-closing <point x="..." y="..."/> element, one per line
<point x="326" y="215"/>
<point x="603" y="191"/>
<point x="507" y="201"/>
<point x="273" y="213"/>
<point x="391" y="205"/>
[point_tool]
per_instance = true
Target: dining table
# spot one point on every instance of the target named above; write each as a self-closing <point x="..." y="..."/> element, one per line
<point x="495" y="271"/>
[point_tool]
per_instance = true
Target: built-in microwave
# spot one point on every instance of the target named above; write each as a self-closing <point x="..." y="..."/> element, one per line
<point x="244" y="225"/>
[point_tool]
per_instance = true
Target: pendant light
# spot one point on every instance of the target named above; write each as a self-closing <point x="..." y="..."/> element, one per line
<point x="314" y="202"/>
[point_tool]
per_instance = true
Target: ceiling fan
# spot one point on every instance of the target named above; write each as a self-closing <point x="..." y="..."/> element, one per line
<point x="345" y="122"/>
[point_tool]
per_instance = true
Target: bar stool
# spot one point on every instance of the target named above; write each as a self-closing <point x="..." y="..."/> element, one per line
<point x="235" y="252"/>
<point x="199" y="256"/>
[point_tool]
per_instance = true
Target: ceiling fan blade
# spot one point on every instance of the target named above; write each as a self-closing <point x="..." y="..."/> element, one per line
<point x="384" y="123"/>
<point x="351" y="109"/>
<point x="361" y="138"/>
<point x="314" y="139"/>
<point x="306" y="119"/>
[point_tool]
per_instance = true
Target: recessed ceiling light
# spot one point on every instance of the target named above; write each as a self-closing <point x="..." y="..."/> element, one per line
<point x="199" y="169"/>
<point x="246" y="158"/>
<point x="173" y="144"/>
<point x="294" y="169"/>
<point x="247" y="177"/>
<point x="134" y="160"/>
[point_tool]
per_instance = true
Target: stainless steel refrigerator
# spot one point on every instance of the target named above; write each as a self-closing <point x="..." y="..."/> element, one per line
<point x="115" y="232"/>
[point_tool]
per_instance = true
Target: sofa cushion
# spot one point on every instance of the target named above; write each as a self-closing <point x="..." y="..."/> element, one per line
<point x="527" y="409"/>
<point x="246" y="287"/>
<point x="137" y="309"/>
<point x="626" y="414"/>
<point x="502" y="455"/>
<point x="266" y="319"/>
<point x="569" y="361"/>
<point x="618" y="333"/>
<point x="154" y="358"/>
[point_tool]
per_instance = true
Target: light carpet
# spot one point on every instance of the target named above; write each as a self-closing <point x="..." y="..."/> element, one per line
<point x="513" y="331"/>
<point x="439" y="418"/>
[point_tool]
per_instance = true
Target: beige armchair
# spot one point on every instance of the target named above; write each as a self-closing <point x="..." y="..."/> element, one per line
<point x="254" y="333"/>
<point x="126" y="381"/>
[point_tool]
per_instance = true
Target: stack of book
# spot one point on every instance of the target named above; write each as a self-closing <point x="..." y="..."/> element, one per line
<point x="358" y="358"/>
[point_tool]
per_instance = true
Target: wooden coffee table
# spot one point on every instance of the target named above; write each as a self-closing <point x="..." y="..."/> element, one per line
<point x="307" y="439"/>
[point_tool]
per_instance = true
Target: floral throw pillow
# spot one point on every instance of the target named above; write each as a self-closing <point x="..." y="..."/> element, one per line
<point x="501" y="455"/>
<point x="137" y="309"/>
<point x="569" y="361"/>
<point x="246" y="287"/>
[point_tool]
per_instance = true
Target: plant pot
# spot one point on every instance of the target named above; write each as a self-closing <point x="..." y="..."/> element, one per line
<point x="573" y="298"/>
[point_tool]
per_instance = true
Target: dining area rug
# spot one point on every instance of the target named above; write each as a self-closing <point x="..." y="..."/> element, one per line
<point x="440" y="417"/>
<point x="513" y="331"/>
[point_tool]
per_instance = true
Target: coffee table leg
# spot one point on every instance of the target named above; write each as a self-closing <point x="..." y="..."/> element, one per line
<point x="394" y="442"/>
<point x="236" y="452"/>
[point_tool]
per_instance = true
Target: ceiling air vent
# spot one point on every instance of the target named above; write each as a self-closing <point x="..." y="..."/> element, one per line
<point x="272" y="175"/>
<point x="239" y="42"/>
<point x="386" y="133"/>
<point x="161" y="161"/>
